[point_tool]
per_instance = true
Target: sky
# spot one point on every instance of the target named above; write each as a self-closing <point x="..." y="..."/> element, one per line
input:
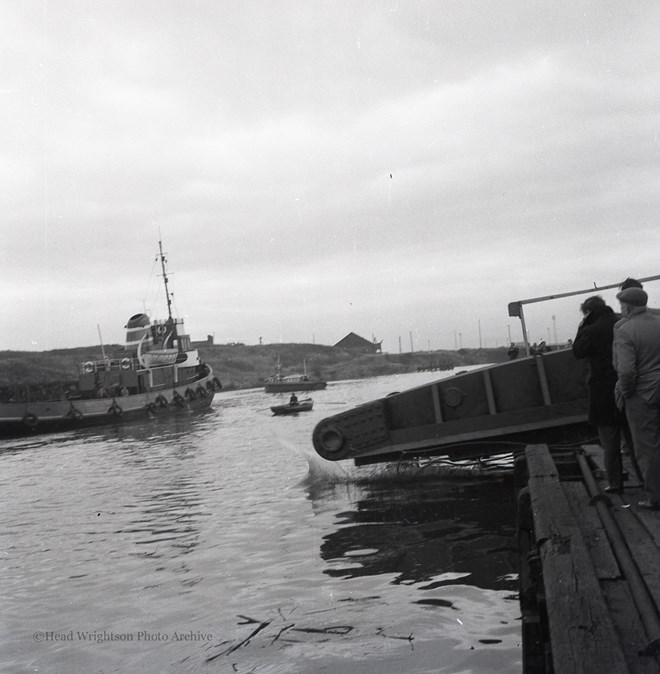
<point x="401" y="169"/>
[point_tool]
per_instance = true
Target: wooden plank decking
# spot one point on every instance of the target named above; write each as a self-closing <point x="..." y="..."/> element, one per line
<point x="590" y="572"/>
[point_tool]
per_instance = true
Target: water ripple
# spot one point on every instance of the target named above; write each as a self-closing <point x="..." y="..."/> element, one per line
<point x="229" y="525"/>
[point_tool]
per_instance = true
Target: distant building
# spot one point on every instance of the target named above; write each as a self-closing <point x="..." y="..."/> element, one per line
<point x="207" y="342"/>
<point x="354" y="342"/>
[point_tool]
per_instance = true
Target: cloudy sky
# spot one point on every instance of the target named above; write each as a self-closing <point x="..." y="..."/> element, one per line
<point x="398" y="168"/>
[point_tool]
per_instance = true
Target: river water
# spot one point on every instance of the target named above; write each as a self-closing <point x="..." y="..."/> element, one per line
<point x="223" y="543"/>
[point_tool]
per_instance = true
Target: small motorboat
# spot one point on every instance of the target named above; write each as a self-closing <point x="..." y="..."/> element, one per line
<point x="278" y="383"/>
<point x="303" y="405"/>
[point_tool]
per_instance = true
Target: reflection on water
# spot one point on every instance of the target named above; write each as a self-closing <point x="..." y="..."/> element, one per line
<point x="228" y="528"/>
<point x="419" y="531"/>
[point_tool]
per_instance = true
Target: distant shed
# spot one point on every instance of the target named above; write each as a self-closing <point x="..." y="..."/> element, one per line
<point x="354" y="342"/>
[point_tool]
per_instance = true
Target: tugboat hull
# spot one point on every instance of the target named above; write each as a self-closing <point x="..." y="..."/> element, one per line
<point x="46" y="416"/>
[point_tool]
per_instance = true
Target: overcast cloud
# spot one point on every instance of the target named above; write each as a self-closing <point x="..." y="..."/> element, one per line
<point x="395" y="168"/>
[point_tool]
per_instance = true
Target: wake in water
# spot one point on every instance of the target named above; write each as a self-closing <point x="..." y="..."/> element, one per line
<point x="326" y="472"/>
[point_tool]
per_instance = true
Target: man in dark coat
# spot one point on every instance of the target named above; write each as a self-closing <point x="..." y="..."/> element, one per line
<point x="593" y="341"/>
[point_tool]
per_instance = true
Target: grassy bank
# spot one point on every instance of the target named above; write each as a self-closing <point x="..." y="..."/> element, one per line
<point x="242" y="366"/>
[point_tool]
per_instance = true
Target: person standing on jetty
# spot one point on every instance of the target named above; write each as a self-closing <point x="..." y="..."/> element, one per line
<point x="634" y="283"/>
<point x="593" y="342"/>
<point x="637" y="363"/>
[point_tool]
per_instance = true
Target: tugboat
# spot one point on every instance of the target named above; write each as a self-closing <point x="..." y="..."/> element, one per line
<point x="158" y="373"/>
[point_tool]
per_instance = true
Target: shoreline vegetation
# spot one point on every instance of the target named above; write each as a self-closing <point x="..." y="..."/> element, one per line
<point x="239" y="366"/>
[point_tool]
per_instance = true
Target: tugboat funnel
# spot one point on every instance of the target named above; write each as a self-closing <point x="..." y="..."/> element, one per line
<point x="137" y="329"/>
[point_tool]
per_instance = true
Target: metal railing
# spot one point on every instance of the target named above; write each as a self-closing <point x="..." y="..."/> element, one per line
<point x="516" y="308"/>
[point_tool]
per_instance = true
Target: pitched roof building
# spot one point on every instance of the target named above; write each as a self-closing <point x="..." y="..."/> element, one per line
<point x="354" y="342"/>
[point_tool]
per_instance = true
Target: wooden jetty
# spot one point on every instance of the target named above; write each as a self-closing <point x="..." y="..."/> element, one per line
<point x="589" y="561"/>
<point x="589" y="568"/>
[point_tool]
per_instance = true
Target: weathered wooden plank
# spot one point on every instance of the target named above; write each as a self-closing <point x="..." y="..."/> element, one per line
<point x="651" y="521"/>
<point x="582" y="633"/>
<point x="628" y="624"/>
<point x="649" y="518"/>
<point x="539" y="461"/>
<point x="642" y="547"/>
<point x="597" y="457"/>
<point x="591" y="528"/>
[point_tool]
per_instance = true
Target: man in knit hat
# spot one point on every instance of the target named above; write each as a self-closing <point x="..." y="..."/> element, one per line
<point x="636" y="353"/>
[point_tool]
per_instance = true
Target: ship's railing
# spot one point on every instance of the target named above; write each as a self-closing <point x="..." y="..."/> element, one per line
<point x="109" y="365"/>
<point x="48" y="391"/>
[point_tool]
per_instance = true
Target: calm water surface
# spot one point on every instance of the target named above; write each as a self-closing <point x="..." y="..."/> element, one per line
<point x="223" y="543"/>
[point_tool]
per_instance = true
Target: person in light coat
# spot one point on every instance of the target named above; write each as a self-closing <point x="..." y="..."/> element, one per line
<point x="636" y="354"/>
<point x="634" y="283"/>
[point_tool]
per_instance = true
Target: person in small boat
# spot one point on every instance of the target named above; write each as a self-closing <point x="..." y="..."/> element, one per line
<point x="293" y="400"/>
<point x="637" y="362"/>
<point x="593" y="342"/>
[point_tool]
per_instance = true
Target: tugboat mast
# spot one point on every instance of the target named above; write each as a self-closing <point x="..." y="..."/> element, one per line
<point x="167" y="291"/>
